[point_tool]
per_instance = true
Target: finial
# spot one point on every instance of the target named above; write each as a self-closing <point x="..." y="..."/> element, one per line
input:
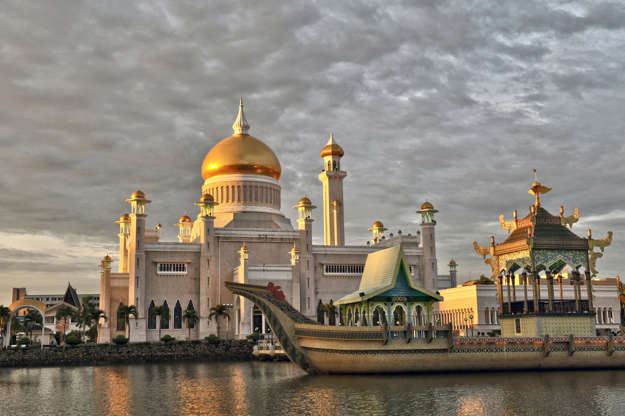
<point x="535" y="175"/>
<point x="331" y="140"/>
<point x="589" y="232"/>
<point x="537" y="189"/>
<point x="240" y="125"/>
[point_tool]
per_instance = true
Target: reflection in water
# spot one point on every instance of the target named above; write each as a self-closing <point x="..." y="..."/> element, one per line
<point x="283" y="389"/>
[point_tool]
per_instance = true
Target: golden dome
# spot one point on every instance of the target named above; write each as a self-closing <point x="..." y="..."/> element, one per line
<point x="332" y="148"/>
<point x="304" y="201"/>
<point x="377" y="224"/>
<point x="137" y="195"/>
<point x="452" y="262"/>
<point x="107" y="258"/>
<point x="241" y="153"/>
<point x="124" y="218"/>
<point x="184" y="218"/>
<point x="207" y="198"/>
<point x="427" y="205"/>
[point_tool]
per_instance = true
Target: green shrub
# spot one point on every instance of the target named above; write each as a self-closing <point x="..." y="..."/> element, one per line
<point x="24" y="341"/>
<point x="253" y="337"/>
<point x="212" y="339"/>
<point x="73" y="338"/>
<point x="120" y="340"/>
<point x="167" y="339"/>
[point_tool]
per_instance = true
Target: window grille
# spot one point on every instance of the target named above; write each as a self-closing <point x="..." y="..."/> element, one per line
<point x="172" y="268"/>
<point x="343" y="269"/>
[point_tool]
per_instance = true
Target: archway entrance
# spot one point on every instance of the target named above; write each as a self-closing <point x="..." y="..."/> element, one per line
<point x="18" y="305"/>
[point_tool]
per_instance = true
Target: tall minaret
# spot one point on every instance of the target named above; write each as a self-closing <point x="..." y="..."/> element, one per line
<point x="428" y="238"/>
<point x="332" y="179"/>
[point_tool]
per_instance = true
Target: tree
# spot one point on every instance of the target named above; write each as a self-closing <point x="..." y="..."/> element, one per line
<point x="63" y="314"/>
<point x="5" y="315"/>
<point x="126" y="311"/>
<point x="190" y="317"/>
<point x="219" y="312"/>
<point x="163" y="314"/>
<point x="32" y="319"/>
<point x="88" y="315"/>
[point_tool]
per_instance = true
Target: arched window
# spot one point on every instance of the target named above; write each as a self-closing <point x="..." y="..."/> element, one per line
<point x="334" y="165"/>
<point x="329" y="165"/>
<point x="379" y="317"/>
<point x="165" y="316"/>
<point x="177" y="315"/>
<point x="190" y="306"/>
<point x="349" y="316"/>
<point x="151" y="317"/>
<point x="610" y="316"/>
<point x="487" y="316"/>
<point x="121" y="318"/>
<point x="493" y="316"/>
<point x="418" y="316"/>
<point x="605" y="316"/>
<point x="357" y="316"/>
<point x="399" y="316"/>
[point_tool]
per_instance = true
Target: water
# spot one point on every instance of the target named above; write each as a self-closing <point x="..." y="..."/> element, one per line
<point x="282" y="389"/>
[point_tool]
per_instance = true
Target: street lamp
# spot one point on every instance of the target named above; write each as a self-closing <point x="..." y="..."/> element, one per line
<point x="471" y="320"/>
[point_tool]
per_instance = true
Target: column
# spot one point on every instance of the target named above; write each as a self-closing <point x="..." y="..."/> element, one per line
<point x="513" y="287"/>
<point x="560" y="287"/>
<point x="589" y="290"/>
<point x="500" y="292"/>
<point x="576" y="291"/>
<point x="535" y="288"/>
<point x="508" y="290"/>
<point x="524" y="281"/>
<point x="550" y="290"/>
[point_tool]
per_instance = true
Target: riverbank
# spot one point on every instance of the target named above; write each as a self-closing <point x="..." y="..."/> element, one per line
<point x="102" y="354"/>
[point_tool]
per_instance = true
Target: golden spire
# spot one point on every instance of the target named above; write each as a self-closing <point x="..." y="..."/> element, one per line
<point x="537" y="189"/>
<point x="240" y="125"/>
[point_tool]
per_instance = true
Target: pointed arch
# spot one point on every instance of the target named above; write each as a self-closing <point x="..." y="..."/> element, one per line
<point x="165" y="316"/>
<point x="177" y="315"/>
<point x="121" y="318"/>
<point x="151" y="317"/>
<point x="190" y="306"/>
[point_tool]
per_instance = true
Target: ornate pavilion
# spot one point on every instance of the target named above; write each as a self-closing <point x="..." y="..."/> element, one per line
<point x="538" y="250"/>
<point x="386" y="289"/>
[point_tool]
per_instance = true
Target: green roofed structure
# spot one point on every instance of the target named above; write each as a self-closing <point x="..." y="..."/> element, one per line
<point x="387" y="290"/>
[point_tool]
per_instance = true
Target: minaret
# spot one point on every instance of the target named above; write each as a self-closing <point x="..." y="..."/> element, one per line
<point x="332" y="179"/>
<point x="124" y="233"/>
<point x="104" y="330"/>
<point x="453" y="267"/>
<point x="302" y="260"/>
<point x="136" y="263"/>
<point x="430" y="268"/>
<point x="208" y="267"/>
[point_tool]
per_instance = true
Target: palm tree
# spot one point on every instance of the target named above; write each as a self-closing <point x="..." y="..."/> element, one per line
<point x="191" y="318"/>
<point x="88" y="315"/>
<point x="126" y="311"/>
<point x="163" y="314"/>
<point x="63" y="314"/>
<point x="31" y="319"/>
<point x="5" y="315"/>
<point x="219" y="311"/>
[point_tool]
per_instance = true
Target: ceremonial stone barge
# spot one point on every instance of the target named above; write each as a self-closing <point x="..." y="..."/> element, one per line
<point x="384" y="348"/>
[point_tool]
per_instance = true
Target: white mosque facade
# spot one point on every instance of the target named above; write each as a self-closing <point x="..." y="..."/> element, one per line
<point x="241" y="234"/>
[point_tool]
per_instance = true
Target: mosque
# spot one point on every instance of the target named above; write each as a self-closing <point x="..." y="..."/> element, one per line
<point x="241" y="235"/>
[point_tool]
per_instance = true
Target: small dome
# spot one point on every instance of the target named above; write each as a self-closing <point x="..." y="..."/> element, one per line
<point x="452" y="262"/>
<point x="137" y="195"/>
<point x="124" y="218"/>
<point x="107" y="258"/>
<point x="304" y="201"/>
<point x="184" y="218"/>
<point x="427" y="205"/>
<point x="207" y="198"/>
<point x="332" y="148"/>
<point x="377" y="224"/>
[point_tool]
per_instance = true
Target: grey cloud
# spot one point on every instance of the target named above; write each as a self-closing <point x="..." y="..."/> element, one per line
<point x="451" y="101"/>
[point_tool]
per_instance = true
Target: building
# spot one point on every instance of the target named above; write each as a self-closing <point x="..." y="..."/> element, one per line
<point x="479" y="305"/>
<point x="540" y="251"/>
<point x="242" y="235"/>
<point x="387" y="295"/>
<point x="70" y="296"/>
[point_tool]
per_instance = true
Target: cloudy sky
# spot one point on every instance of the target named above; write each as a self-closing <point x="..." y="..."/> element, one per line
<point x="454" y="102"/>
